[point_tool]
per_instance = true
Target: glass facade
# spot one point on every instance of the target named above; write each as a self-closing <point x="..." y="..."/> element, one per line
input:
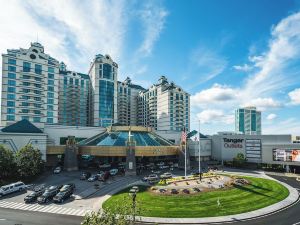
<point x="106" y="102"/>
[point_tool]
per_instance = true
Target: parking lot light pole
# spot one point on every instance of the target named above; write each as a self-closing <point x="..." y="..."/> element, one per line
<point x="132" y="193"/>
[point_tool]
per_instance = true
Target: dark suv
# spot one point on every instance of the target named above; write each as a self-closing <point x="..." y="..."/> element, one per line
<point x="32" y="197"/>
<point x="85" y="175"/>
<point x="48" y="194"/>
<point x="65" y="192"/>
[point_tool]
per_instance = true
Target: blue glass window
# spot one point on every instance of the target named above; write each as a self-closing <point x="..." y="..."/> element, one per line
<point x="10" y="111"/>
<point x="11" y="75"/>
<point x="76" y="82"/>
<point x="36" y="119"/>
<point x="49" y="120"/>
<point x="37" y="98"/>
<point x="50" y="88"/>
<point x="49" y="107"/>
<point x="11" y="96"/>
<point x="50" y="75"/>
<point x="38" y="85"/>
<point x="25" y="104"/>
<point x="10" y="103"/>
<point x="51" y="69"/>
<point x="25" y="111"/>
<point x="26" y="77"/>
<point x="11" y="82"/>
<point x="26" y="84"/>
<point x="51" y="82"/>
<point x="12" y="61"/>
<point x="38" y="79"/>
<point x="50" y="101"/>
<point x="26" y="67"/>
<point x="38" y="69"/>
<point x="25" y="117"/>
<point x="12" y="68"/>
<point x="10" y="117"/>
<point x="37" y="92"/>
<point x="50" y="114"/>
<point x="26" y="90"/>
<point x="37" y="111"/>
<point x="107" y="71"/>
<point x="106" y="99"/>
<point x="65" y="80"/>
<point x="25" y="97"/>
<point x="11" y="89"/>
<point x="50" y="95"/>
<point x="37" y="105"/>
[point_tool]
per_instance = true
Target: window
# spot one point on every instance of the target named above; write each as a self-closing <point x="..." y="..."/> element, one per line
<point x="65" y="80"/>
<point x="12" y="61"/>
<point x="37" y="92"/>
<point x="11" y="82"/>
<point x="50" y="95"/>
<point x="51" y="82"/>
<point x="49" y="107"/>
<point x="26" y="90"/>
<point x="25" y="97"/>
<point x="38" y="85"/>
<point x="76" y="82"/>
<point x="50" y="88"/>
<point x="71" y="81"/>
<point x="11" y="96"/>
<point x="82" y="82"/>
<point x="26" y="84"/>
<point x="10" y="117"/>
<point x="50" y="75"/>
<point x="10" y="103"/>
<point x="50" y="114"/>
<point x="10" y="111"/>
<point x="50" y="101"/>
<point x="37" y="111"/>
<point x="26" y="67"/>
<point x="11" y="75"/>
<point x="49" y="120"/>
<point x="51" y="69"/>
<point x="12" y="68"/>
<point x="37" y="105"/>
<point x="25" y="104"/>
<point x="36" y="119"/>
<point x="38" y="69"/>
<point x="38" y="79"/>
<point x="25" y="117"/>
<point x="107" y="71"/>
<point x="11" y="89"/>
<point x="37" y="98"/>
<point x="26" y="77"/>
<point x="25" y="111"/>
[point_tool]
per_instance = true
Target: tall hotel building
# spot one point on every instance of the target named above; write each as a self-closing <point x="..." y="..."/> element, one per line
<point x="104" y="80"/>
<point x="164" y="107"/>
<point x="30" y="80"/>
<point x="74" y="98"/>
<point x="128" y="102"/>
<point x="248" y="121"/>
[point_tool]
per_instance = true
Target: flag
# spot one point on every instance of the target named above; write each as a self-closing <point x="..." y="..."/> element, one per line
<point x="183" y="135"/>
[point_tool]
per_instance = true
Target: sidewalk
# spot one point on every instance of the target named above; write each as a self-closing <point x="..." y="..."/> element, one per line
<point x="292" y="198"/>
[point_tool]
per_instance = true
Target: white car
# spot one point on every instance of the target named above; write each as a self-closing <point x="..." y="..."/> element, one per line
<point x="166" y="176"/>
<point x="113" y="172"/>
<point x="160" y="164"/>
<point x="11" y="188"/>
<point x="163" y="167"/>
<point x="152" y="177"/>
<point x="57" y="170"/>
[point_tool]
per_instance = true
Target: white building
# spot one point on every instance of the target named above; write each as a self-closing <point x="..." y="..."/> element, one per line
<point x="248" y="121"/>
<point x="30" y="80"/>
<point x="164" y="107"/>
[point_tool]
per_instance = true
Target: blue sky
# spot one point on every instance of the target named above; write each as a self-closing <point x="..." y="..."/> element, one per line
<point x="226" y="54"/>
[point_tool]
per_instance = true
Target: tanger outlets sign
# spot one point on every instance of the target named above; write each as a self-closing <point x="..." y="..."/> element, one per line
<point x="233" y="142"/>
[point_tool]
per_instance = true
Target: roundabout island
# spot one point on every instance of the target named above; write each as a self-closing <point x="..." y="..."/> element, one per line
<point x="215" y="195"/>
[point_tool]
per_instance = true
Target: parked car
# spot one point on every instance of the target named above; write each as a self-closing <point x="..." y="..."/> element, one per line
<point x="152" y="177"/>
<point x="106" y="165"/>
<point x="162" y="190"/>
<point x="196" y="189"/>
<point x="100" y="173"/>
<point x="85" y="175"/>
<point x="186" y="191"/>
<point x="32" y="197"/>
<point x="105" y="176"/>
<point x="93" y="178"/>
<point x="57" y="170"/>
<point x="65" y="192"/>
<point x="11" y="188"/>
<point x="113" y="172"/>
<point x="48" y="194"/>
<point x="160" y="164"/>
<point x="166" y="176"/>
<point x="174" y="191"/>
<point x="164" y="167"/>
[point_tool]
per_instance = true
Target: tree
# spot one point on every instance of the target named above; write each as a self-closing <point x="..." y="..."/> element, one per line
<point x="29" y="161"/>
<point x="7" y="163"/>
<point x="239" y="160"/>
<point x="120" y="214"/>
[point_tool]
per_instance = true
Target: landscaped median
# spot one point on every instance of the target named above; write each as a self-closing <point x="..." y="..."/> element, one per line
<point x="258" y="194"/>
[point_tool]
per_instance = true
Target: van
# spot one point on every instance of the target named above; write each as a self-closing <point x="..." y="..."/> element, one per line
<point x="11" y="188"/>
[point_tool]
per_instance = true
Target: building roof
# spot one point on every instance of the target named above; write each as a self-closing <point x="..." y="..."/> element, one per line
<point x="23" y="126"/>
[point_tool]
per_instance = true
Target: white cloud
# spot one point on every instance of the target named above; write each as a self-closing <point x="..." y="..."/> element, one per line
<point x="216" y="94"/>
<point x="273" y="71"/>
<point x="288" y="126"/>
<point x="271" y="116"/>
<point x="215" y="116"/>
<point x="295" y="96"/>
<point x="244" y="68"/>
<point x="153" y="18"/>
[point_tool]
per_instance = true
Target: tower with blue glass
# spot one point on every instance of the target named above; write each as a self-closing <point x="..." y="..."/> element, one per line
<point x="104" y="74"/>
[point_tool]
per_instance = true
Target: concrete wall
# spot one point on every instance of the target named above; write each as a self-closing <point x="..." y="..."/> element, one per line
<point x="205" y="147"/>
<point x="55" y="132"/>
<point x="15" y="141"/>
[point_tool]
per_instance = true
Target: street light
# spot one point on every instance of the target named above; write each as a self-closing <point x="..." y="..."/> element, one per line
<point x="132" y="193"/>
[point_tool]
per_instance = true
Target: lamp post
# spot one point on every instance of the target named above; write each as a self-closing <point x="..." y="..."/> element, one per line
<point x="132" y="193"/>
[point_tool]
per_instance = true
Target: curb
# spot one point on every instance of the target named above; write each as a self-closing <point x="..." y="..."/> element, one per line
<point x="231" y="218"/>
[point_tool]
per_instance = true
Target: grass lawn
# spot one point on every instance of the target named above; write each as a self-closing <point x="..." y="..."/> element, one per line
<point x="260" y="193"/>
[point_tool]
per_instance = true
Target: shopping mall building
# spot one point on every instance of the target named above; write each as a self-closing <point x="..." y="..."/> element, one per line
<point x="144" y="145"/>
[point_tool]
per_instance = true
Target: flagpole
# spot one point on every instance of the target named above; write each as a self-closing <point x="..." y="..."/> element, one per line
<point x="185" y="158"/>
<point x="199" y="152"/>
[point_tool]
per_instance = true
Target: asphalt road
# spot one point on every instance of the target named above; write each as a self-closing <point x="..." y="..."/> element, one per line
<point x="20" y="217"/>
